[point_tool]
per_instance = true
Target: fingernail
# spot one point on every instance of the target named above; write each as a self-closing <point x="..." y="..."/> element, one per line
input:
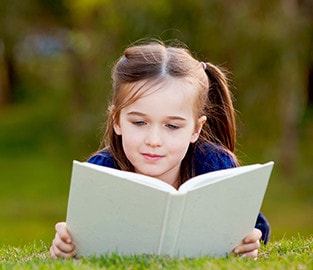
<point x="68" y="241"/>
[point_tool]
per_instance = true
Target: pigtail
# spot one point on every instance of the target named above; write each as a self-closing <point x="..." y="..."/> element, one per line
<point x="220" y="126"/>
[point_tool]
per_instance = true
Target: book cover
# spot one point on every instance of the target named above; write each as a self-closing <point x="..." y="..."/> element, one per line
<point x="116" y="211"/>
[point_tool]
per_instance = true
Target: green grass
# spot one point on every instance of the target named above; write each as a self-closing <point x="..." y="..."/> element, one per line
<point x="293" y="253"/>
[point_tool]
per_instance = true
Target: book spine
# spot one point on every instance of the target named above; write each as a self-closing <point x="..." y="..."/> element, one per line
<point x="171" y="223"/>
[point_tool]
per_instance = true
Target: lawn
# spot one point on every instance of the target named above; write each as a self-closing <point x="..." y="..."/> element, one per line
<point x="293" y="253"/>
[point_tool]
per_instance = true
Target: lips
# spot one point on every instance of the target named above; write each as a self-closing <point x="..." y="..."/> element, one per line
<point x="152" y="157"/>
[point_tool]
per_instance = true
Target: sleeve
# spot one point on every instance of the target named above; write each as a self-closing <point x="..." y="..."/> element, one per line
<point x="211" y="158"/>
<point x="263" y="225"/>
<point x="103" y="158"/>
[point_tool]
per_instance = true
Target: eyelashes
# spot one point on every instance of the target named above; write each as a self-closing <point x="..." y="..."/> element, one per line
<point x="139" y="123"/>
<point x="143" y="123"/>
<point x="171" y="126"/>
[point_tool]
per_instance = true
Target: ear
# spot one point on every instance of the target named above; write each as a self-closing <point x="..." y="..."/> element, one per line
<point x="117" y="128"/>
<point x="116" y="125"/>
<point x="199" y="124"/>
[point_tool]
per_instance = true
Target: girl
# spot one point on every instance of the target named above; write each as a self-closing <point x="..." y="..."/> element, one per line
<point x="172" y="118"/>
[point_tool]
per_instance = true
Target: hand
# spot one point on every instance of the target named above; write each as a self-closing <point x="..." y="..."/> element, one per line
<point x="62" y="245"/>
<point x="249" y="247"/>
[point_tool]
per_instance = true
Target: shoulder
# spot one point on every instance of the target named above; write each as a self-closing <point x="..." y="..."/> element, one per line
<point x="103" y="158"/>
<point x="210" y="157"/>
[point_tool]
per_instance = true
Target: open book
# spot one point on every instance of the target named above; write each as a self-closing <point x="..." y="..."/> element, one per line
<point x="116" y="211"/>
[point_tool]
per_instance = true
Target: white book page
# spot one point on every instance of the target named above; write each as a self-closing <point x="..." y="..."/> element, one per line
<point x="131" y="176"/>
<point x="213" y="177"/>
<point x="217" y="217"/>
<point x="107" y="213"/>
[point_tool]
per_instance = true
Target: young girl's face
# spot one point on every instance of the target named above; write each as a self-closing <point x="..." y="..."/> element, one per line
<point x="157" y="129"/>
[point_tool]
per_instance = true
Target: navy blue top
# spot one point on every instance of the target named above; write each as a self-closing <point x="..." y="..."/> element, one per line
<point x="208" y="158"/>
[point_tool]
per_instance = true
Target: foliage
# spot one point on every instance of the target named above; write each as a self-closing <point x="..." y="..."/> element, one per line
<point x="295" y="253"/>
<point x="69" y="47"/>
<point x="55" y="62"/>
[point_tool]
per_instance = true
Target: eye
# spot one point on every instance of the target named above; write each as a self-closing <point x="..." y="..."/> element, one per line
<point x="171" y="126"/>
<point x="139" y="123"/>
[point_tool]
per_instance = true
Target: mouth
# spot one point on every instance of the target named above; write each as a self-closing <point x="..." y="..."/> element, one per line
<point x="152" y="157"/>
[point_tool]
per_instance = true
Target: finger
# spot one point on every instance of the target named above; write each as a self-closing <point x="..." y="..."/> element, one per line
<point x="63" y="232"/>
<point x="55" y="253"/>
<point x="246" y="248"/>
<point x="252" y="237"/>
<point x="61" y="245"/>
<point x="251" y="254"/>
<point x="52" y="253"/>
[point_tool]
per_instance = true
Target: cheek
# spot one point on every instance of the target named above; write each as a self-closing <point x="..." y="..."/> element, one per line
<point x="179" y="144"/>
<point x="130" y="141"/>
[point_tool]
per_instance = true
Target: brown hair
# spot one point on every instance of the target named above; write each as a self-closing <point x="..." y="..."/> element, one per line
<point x="154" y="63"/>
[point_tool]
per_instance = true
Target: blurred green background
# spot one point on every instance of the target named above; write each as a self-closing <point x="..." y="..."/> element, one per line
<point x="55" y="62"/>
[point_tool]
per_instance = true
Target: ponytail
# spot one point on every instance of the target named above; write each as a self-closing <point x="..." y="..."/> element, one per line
<point x="220" y="126"/>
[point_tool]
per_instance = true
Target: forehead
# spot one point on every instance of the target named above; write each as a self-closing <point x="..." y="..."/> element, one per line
<point x="171" y="96"/>
<point x="143" y="88"/>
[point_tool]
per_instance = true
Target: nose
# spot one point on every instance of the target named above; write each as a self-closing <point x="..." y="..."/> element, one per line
<point x="153" y="137"/>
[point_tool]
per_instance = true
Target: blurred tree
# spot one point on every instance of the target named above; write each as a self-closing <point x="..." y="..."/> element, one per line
<point x="17" y="20"/>
<point x="306" y="9"/>
<point x="250" y="38"/>
<point x="4" y="78"/>
<point x="9" y="33"/>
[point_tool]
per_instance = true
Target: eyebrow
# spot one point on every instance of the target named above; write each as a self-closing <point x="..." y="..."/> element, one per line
<point x="145" y="115"/>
